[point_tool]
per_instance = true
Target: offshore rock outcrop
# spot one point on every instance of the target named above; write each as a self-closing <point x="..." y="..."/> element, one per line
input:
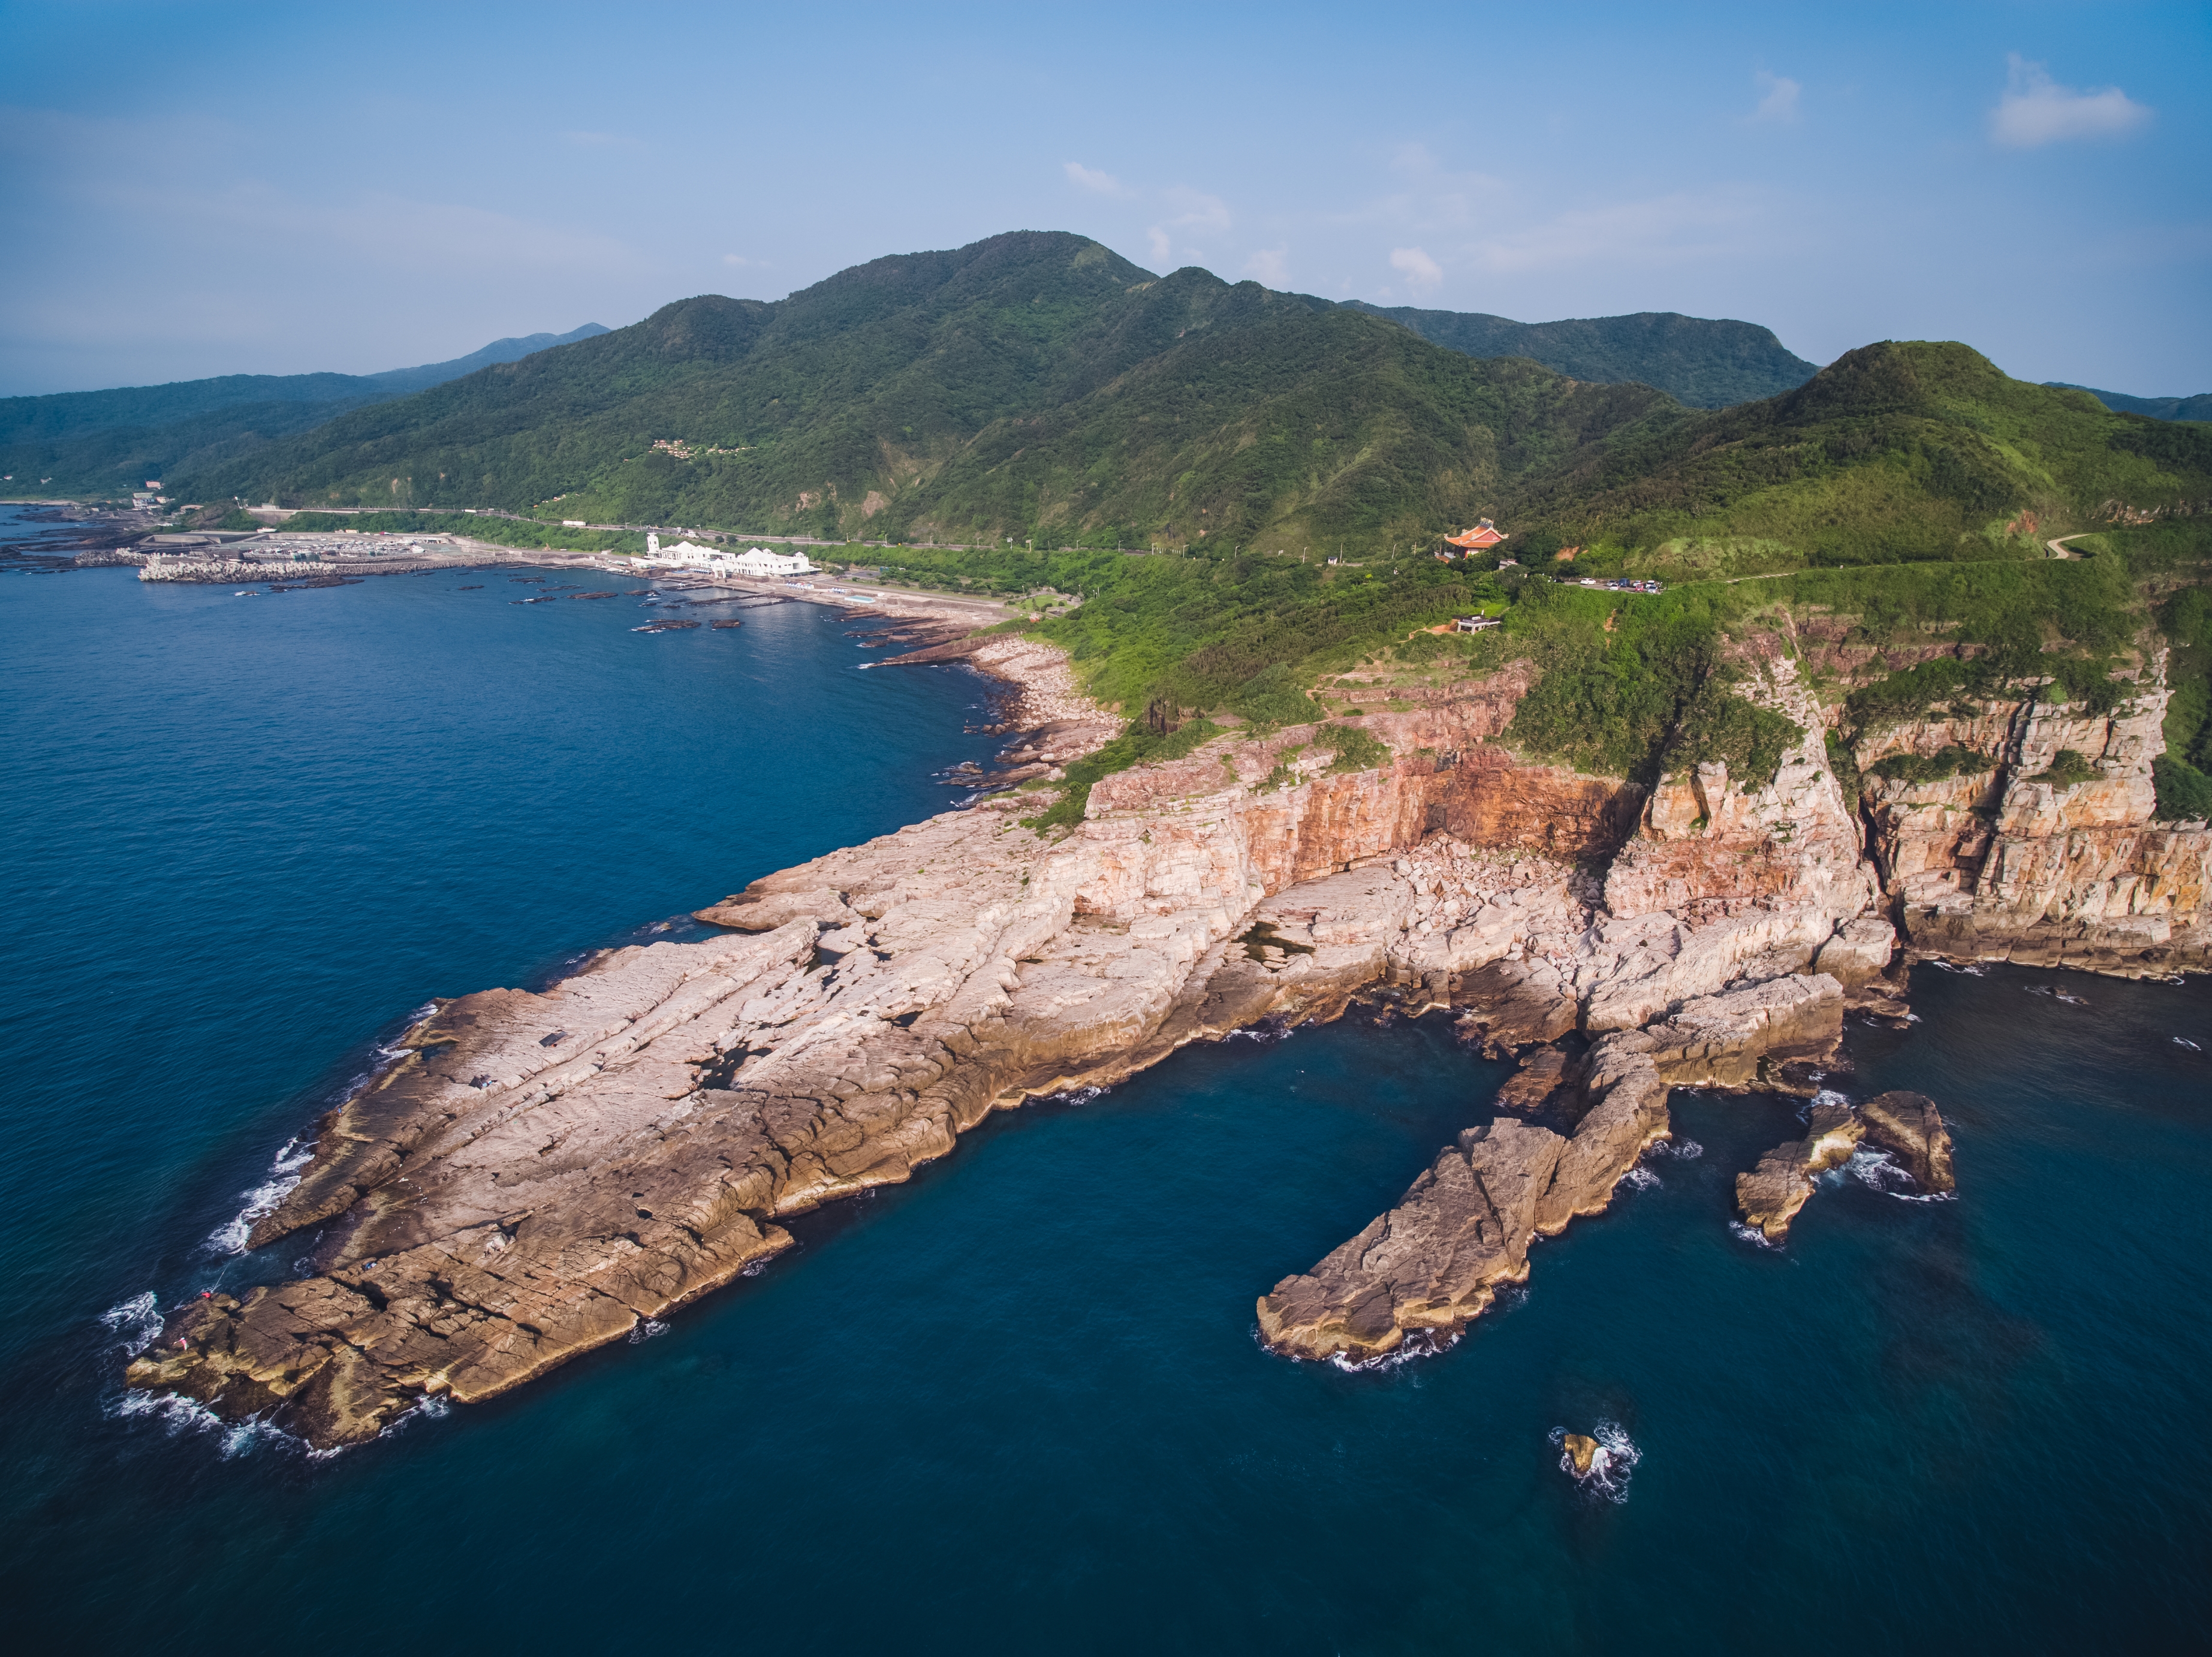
<point x="1910" y="1127"/>
<point x="1434" y="1262"/>
<point x="542" y="1171"/>
<point x="1769" y="1196"/>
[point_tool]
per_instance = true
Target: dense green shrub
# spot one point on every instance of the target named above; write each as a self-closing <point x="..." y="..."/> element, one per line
<point x="1720" y="726"/>
<point x="2185" y="793"/>
<point x="1949" y="761"/>
<point x="1272" y="698"/>
<point x="1356" y="748"/>
<point x="2068" y="769"/>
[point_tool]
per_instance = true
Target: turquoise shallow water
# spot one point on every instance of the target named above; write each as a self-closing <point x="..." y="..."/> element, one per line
<point x="1016" y="1404"/>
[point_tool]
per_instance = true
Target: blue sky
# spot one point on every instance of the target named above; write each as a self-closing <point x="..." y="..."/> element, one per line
<point x="196" y="188"/>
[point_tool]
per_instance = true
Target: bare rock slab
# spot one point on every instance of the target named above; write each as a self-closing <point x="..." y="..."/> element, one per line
<point x="1911" y="1129"/>
<point x="1769" y="1196"/>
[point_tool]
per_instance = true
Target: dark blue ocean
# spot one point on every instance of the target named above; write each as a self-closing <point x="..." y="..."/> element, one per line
<point x="1016" y="1404"/>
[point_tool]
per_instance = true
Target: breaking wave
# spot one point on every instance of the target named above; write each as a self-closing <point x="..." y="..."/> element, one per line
<point x="1682" y="1150"/>
<point x="1878" y="1171"/>
<point x="230" y="1238"/>
<point x="644" y="1330"/>
<point x="1750" y="1234"/>
<point x="1417" y="1343"/>
<point x="1612" y="1463"/>
<point x="138" y="1320"/>
<point x="1641" y="1178"/>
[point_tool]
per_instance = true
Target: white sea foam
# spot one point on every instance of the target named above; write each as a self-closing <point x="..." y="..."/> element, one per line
<point x="2184" y="1042"/>
<point x="646" y="1329"/>
<point x="1611" y="1463"/>
<point x="431" y="1406"/>
<point x="176" y="1413"/>
<point x="1417" y="1343"/>
<point x="1641" y="1178"/>
<point x="1682" y="1150"/>
<point x="1968" y="969"/>
<point x="291" y="1162"/>
<point x="138" y="1320"/>
<point x="1078" y="1096"/>
<point x="1878" y="1171"/>
<point x="1750" y="1234"/>
<point x="1830" y="1096"/>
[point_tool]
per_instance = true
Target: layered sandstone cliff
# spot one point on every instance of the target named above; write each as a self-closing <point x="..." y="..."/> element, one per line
<point x="2025" y="860"/>
<point x="542" y="1171"/>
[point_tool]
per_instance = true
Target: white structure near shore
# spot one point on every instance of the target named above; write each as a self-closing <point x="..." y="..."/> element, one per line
<point x="716" y="561"/>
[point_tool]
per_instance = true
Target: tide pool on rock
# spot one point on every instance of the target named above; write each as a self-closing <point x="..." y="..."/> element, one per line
<point x="1019" y="1400"/>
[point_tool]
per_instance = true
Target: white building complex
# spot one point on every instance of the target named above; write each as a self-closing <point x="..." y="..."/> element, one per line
<point x="717" y="560"/>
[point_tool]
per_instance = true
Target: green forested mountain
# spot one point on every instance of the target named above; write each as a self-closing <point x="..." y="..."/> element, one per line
<point x="1038" y="387"/>
<point x="111" y="442"/>
<point x="1706" y="364"/>
<point x="2199" y="407"/>
<point x="1896" y="452"/>
<point x="1033" y="383"/>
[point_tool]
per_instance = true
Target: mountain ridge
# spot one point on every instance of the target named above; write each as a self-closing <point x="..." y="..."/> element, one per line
<point x="1705" y="362"/>
<point x="1037" y="386"/>
<point x="2199" y="407"/>
<point x="105" y="439"/>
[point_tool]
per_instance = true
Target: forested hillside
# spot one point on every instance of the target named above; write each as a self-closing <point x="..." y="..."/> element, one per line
<point x="1038" y="387"/>
<point x="111" y="442"/>
<point x="1029" y="384"/>
<point x="2199" y="407"/>
<point x="1706" y="364"/>
<point x="1897" y="452"/>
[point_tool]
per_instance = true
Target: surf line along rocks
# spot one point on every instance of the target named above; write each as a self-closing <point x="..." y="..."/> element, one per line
<point x="542" y="1171"/>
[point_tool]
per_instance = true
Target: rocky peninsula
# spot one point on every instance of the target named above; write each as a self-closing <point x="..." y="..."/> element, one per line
<point x="542" y="1172"/>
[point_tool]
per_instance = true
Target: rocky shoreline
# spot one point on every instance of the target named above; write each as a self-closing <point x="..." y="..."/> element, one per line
<point x="544" y="1172"/>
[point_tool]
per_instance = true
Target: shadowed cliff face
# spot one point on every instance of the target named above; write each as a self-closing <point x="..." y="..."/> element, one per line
<point x="541" y="1172"/>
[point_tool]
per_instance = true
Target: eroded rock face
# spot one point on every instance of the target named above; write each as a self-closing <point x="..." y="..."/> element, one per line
<point x="2001" y="865"/>
<point x="1769" y="1196"/>
<point x="541" y="1171"/>
<point x="1434" y="1261"/>
<point x="1910" y="1127"/>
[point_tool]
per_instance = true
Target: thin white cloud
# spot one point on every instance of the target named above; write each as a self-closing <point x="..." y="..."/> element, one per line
<point x="1091" y="179"/>
<point x="1779" y="97"/>
<point x="1198" y="208"/>
<point x="1420" y="270"/>
<point x="742" y="262"/>
<point x="1674" y="229"/>
<point x="1267" y="264"/>
<point x="2036" y="111"/>
<point x="1162" y="250"/>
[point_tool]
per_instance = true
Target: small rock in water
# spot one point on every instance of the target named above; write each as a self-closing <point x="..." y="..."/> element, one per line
<point x="1582" y="1454"/>
<point x="1910" y="1127"/>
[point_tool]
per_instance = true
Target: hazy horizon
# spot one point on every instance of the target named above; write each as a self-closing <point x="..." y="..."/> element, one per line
<point x="261" y="191"/>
